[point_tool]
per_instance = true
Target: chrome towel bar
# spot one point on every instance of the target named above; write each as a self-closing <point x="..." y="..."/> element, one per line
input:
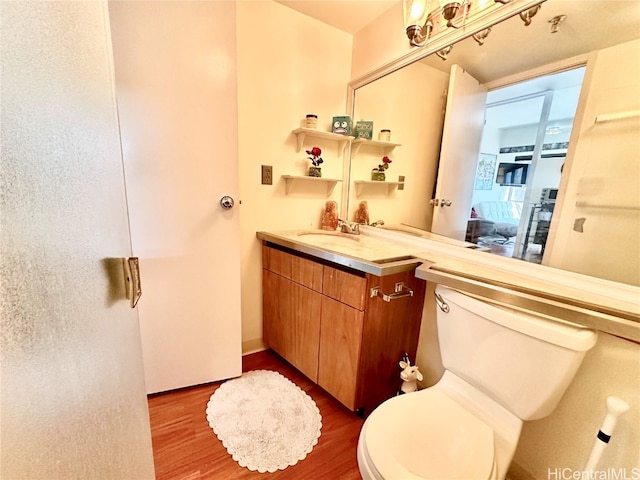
<point x="401" y="291"/>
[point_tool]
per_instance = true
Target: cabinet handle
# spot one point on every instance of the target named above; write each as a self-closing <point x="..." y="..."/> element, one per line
<point x="401" y="291"/>
<point x="133" y="286"/>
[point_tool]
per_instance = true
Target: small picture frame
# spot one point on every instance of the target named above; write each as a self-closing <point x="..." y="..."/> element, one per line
<point x="485" y="171"/>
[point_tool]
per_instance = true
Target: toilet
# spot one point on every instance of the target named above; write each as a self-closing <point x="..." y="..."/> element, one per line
<point x="502" y="367"/>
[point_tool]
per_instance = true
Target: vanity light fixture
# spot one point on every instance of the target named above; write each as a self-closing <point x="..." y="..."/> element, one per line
<point x="421" y="17"/>
<point x="443" y="53"/>
<point x="450" y="11"/>
<point x="527" y="15"/>
<point x="417" y="22"/>
<point x="555" y="22"/>
<point x="481" y="35"/>
<point x="418" y="15"/>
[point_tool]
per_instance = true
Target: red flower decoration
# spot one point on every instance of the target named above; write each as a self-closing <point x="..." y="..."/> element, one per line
<point x="315" y="152"/>
<point x="314" y="156"/>
<point x="385" y="164"/>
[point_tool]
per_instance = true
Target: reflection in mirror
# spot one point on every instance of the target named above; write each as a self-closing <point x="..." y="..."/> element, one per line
<point x="410" y="102"/>
<point x="527" y="129"/>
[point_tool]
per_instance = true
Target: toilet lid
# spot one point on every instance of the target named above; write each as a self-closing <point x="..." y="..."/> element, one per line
<point x="426" y="435"/>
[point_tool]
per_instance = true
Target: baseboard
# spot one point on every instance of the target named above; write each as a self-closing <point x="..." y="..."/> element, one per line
<point x="253" y="346"/>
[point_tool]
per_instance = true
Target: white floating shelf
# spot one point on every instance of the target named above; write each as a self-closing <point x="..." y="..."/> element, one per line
<point x="362" y="184"/>
<point x="358" y="142"/>
<point x="301" y="133"/>
<point x="290" y="179"/>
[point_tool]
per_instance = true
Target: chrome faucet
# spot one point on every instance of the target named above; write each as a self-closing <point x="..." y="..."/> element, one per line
<point x="346" y="227"/>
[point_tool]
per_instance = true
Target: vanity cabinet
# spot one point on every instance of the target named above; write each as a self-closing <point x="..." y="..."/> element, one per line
<point x="292" y="303"/>
<point x="322" y="319"/>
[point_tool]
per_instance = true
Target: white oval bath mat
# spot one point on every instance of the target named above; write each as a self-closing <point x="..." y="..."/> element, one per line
<point x="265" y="421"/>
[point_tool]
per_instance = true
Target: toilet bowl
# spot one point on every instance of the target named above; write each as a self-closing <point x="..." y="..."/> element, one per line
<point x="502" y="367"/>
<point x="425" y="435"/>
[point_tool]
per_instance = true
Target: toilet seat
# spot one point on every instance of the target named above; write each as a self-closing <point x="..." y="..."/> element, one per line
<point x="439" y="440"/>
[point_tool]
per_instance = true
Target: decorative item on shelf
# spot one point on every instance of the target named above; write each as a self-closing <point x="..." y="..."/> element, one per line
<point x="377" y="174"/>
<point x="341" y="125"/>
<point x="311" y="121"/>
<point x="362" y="214"/>
<point x="330" y="216"/>
<point x="364" y="129"/>
<point x="384" y="135"/>
<point x="316" y="160"/>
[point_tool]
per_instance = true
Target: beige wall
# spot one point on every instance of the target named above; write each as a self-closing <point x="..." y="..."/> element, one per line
<point x="382" y="41"/>
<point x="288" y="66"/>
<point x="565" y="439"/>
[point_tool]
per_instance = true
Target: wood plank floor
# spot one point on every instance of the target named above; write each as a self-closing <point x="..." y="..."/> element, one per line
<point x="185" y="447"/>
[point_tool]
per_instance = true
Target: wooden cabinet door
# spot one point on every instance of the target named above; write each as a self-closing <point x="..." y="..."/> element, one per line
<point x="390" y="329"/>
<point x="345" y="287"/>
<point x="291" y="322"/>
<point x="340" y="343"/>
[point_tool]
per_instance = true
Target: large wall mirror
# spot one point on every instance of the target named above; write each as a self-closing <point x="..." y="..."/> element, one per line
<point x="501" y="150"/>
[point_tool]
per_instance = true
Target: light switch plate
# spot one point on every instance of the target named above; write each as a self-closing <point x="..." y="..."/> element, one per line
<point x="401" y="180"/>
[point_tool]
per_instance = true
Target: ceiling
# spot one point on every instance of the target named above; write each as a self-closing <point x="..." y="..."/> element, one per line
<point x="346" y="15"/>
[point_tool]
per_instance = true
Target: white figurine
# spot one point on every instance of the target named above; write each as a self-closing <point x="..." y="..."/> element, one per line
<point x="410" y="376"/>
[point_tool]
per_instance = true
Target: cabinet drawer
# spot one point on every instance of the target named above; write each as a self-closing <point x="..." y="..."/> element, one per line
<point x="298" y="269"/>
<point x="344" y="287"/>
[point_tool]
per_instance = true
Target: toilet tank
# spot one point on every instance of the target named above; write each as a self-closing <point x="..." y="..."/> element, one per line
<point x="523" y="361"/>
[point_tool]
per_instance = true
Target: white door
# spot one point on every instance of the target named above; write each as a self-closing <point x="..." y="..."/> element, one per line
<point x="175" y="73"/>
<point x="463" y="123"/>
<point x="72" y="398"/>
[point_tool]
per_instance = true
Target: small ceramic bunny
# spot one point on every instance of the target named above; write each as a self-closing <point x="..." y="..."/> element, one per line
<point x="410" y="377"/>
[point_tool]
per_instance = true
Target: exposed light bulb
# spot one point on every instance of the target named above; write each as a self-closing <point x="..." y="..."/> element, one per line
<point x="417" y="10"/>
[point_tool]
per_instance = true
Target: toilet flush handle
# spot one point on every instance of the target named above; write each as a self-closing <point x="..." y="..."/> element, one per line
<point x="444" y="306"/>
